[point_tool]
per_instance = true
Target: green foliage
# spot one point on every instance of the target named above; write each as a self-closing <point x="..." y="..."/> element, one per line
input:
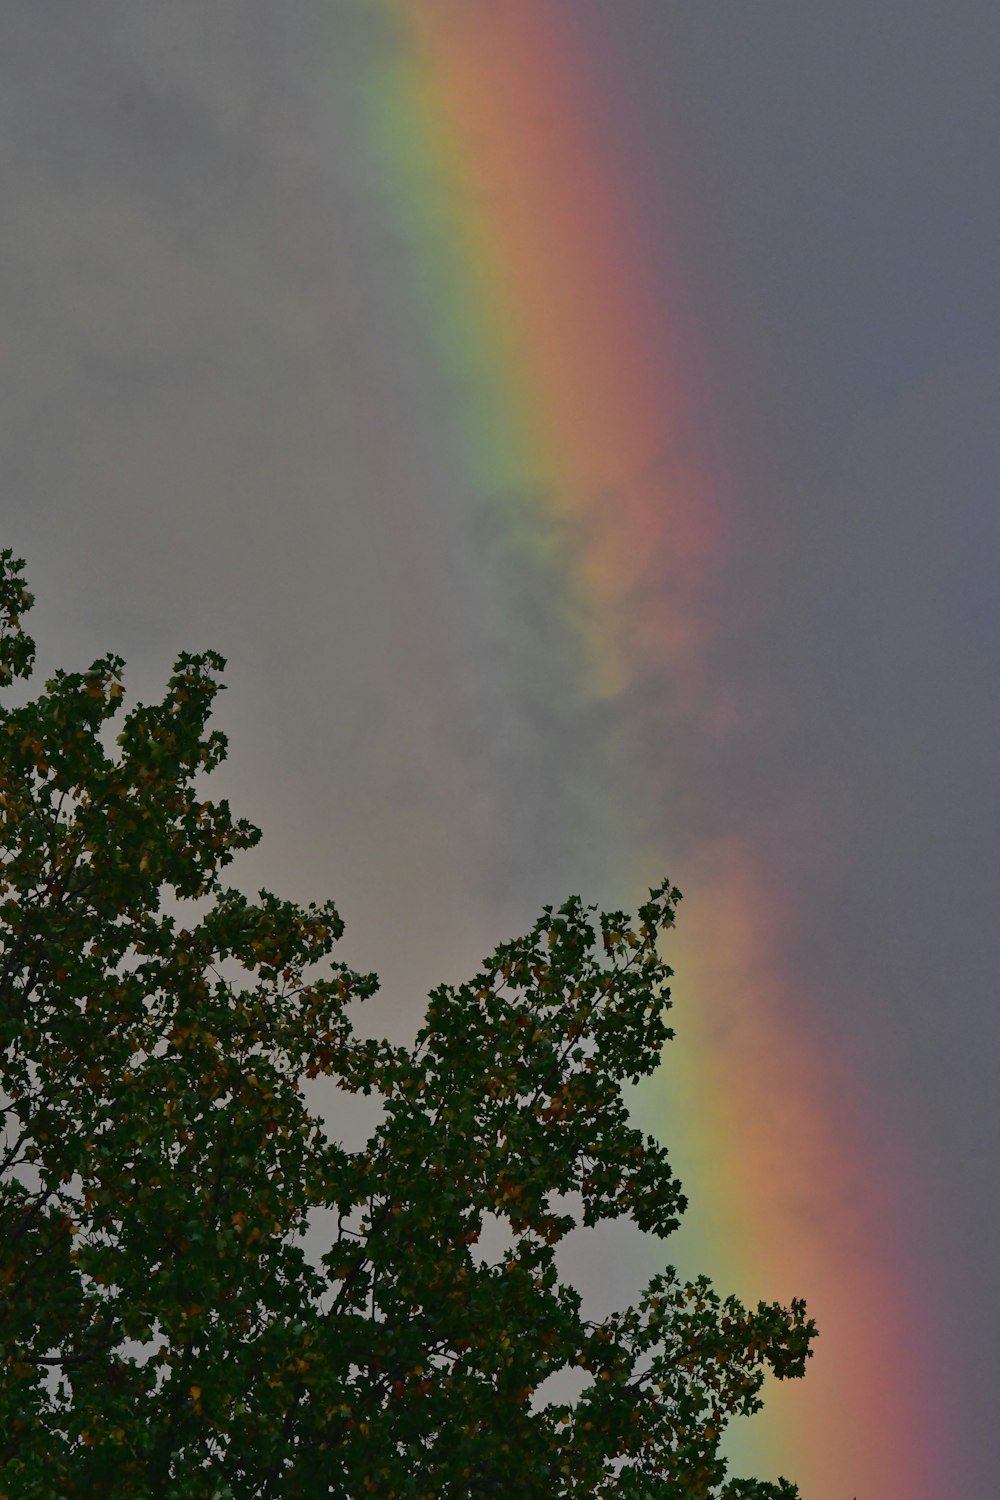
<point x="161" y="1330"/>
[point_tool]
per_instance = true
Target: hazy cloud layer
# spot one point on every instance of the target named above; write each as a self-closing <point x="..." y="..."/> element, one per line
<point x="210" y="352"/>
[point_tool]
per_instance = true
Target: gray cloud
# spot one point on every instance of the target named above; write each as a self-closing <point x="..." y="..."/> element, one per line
<point x="222" y="427"/>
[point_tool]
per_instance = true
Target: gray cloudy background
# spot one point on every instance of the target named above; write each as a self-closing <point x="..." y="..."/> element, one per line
<point x="208" y="356"/>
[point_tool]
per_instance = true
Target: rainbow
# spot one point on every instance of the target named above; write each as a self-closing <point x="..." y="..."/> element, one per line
<point x="555" y="318"/>
<point x="539" y="308"/>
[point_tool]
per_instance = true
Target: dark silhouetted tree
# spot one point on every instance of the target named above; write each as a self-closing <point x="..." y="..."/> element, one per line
<point x="162" y="1330"/>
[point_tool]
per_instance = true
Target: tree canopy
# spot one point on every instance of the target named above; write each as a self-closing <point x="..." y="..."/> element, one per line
<point x="163" y="1330"/>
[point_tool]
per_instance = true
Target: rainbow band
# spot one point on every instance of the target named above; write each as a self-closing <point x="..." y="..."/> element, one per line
<point x="540" y="309"/>
<point x="491" y="135"/>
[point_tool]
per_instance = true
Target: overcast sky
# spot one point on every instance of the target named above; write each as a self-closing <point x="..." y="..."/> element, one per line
<point x="208" y="358"/>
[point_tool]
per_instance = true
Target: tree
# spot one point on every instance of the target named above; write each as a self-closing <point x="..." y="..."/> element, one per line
<point x="162" y="1330"/>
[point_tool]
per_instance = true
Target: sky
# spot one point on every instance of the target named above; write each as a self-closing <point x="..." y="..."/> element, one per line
<point x="577" y="426"/>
